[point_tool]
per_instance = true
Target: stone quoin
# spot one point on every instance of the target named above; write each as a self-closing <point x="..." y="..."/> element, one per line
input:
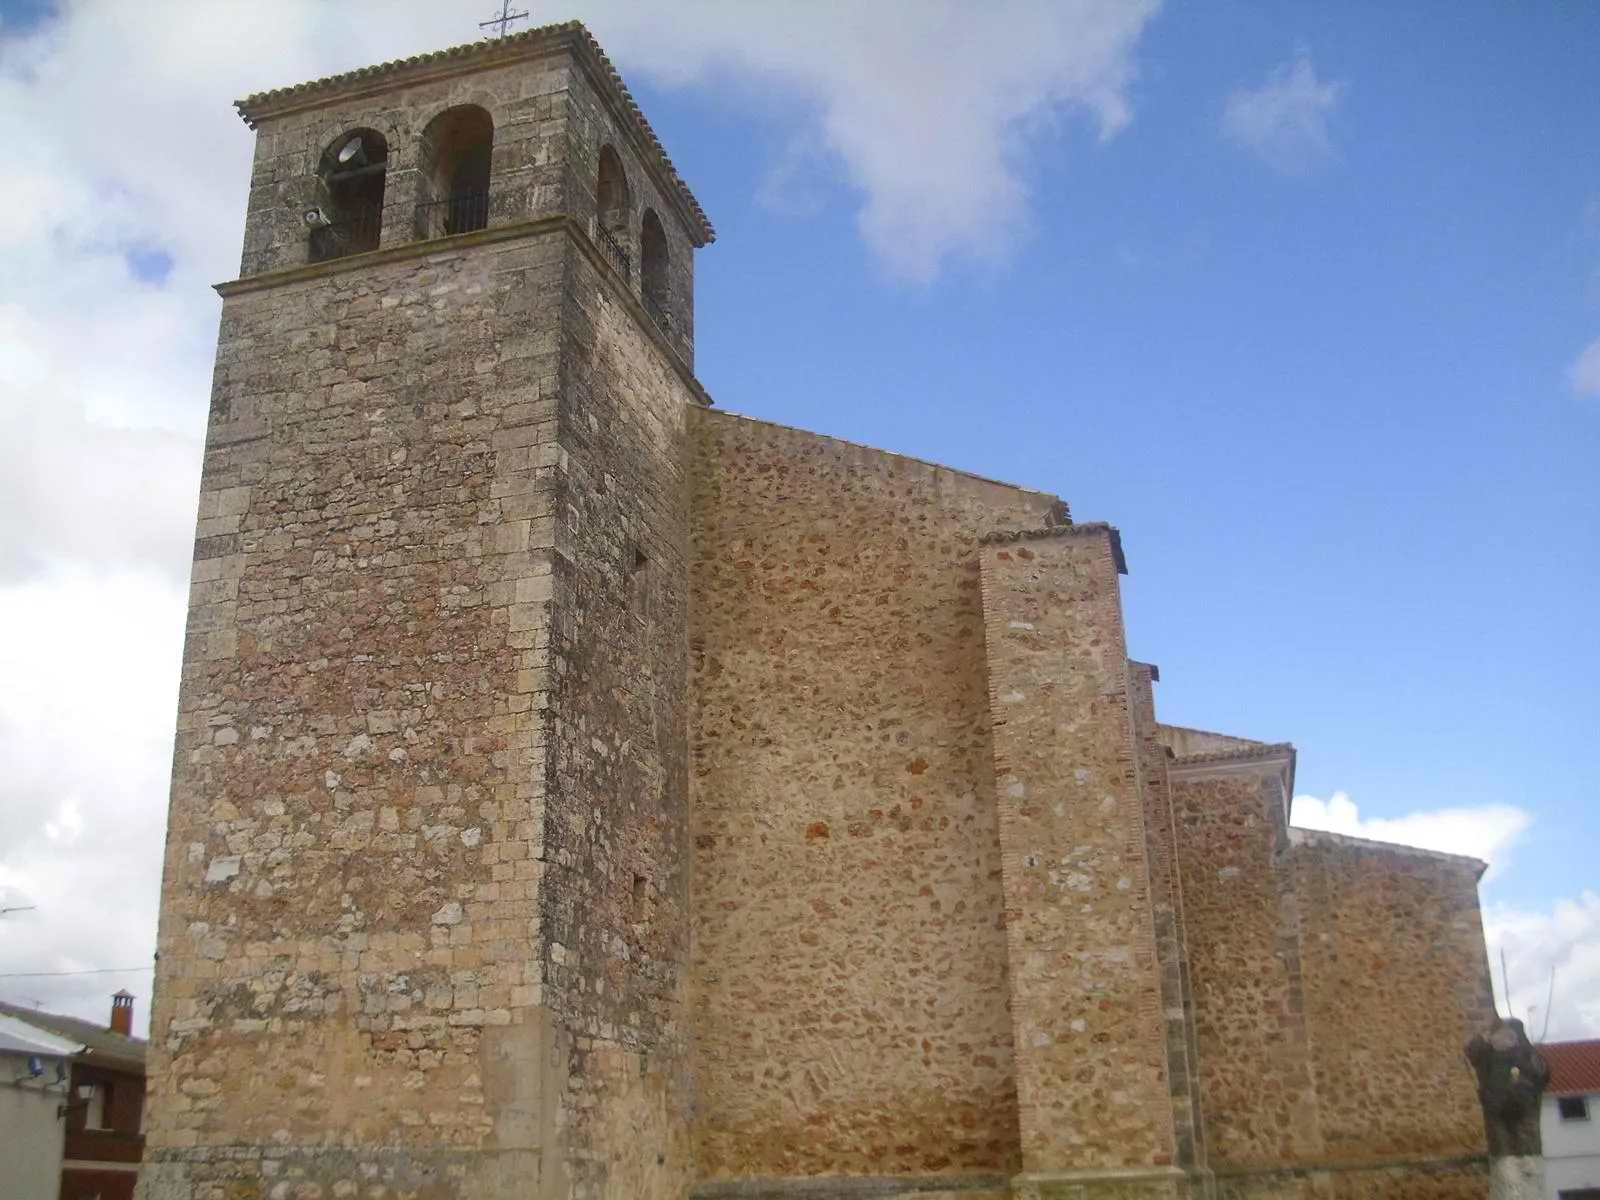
<point x="581" y="791"/>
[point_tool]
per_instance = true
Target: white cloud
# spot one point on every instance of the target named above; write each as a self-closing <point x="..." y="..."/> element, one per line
<point x="1285" y="119"/>
<point x="88" y="683"/>
<point x="1564" y="937"/>
<point x="1552" y="959"/>
<point x="1584" y="374"/>
<point x="930" y="107"/>
<point x="1487" y="831"/>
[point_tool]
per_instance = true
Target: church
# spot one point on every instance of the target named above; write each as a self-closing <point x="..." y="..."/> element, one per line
<point x="583" y="791"/>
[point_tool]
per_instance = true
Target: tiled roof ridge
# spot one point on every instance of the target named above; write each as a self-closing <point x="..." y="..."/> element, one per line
<point x="1240" y="753"/>
<point x="249" y="106"/>
<point x="1574" y="1067"/>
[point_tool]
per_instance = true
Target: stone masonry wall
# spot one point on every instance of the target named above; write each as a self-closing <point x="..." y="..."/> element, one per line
<point x="849" y="987"/>
<point x="1442" y="1180"/>
<point x="592" y="123"/>
<point x="1092" y="1084"/>
<point x="1256" y="1081"/>
<point x="614" y="909"/>
<point x="1397" y="980"/>
<point x="347" y="990"/>
<point x="530" y="109"/>
<point x="1166" y="902"/>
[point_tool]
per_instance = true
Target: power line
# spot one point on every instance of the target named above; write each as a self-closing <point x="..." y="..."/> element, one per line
<point x="58" y="974"/>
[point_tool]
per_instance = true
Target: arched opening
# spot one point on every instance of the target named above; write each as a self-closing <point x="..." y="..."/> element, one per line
<point x="454" y="162"/>
<point x="653" y="286"/>
<point x="348" y="218"/>
<point x="611" y="210"/>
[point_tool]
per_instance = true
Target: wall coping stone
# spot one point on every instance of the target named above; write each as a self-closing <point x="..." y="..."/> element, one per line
<point x="1003" y="536"/>
<point x="543" y="42"/>
<point x="1312" y="837"/>
<point x="1264" y="753"/>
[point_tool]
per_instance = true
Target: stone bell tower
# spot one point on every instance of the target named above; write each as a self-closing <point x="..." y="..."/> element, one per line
<point x="424" y="922"/>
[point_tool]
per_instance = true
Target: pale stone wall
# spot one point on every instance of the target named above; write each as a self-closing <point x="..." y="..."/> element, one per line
<point x="849" y="988"/>
<point x="425" y="924"/>
<point x="1092" y="1081"/>
<point x="1396" y="982"/>
<point x="614" y="907"/>
<point x="352" y="865"/>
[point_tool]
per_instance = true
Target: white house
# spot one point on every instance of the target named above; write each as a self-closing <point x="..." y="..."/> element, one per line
<point x="34" y="1070"/>
<point x="1570" y="1122"/>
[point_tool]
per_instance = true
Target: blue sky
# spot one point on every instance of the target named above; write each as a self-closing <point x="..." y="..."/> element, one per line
<point x="1294" y="294"/>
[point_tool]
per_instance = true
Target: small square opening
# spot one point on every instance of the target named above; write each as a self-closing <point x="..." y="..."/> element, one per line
<point x="1573" y="1108"/>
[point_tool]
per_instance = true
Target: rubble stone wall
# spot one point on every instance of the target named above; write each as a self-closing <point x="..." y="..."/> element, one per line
<point x="1396" y="982"/>
<point x="849" y="986"/>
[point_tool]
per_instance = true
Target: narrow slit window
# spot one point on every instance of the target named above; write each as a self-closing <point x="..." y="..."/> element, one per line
<point x="611" y="212"/>
<point x="654" y="288"/>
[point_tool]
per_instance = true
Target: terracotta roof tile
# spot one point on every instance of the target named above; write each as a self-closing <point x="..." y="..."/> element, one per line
<point x="1574" y="1067"/>
<point x="493" y="50"/>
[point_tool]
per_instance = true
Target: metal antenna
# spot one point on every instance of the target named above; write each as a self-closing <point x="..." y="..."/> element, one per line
<point x="1549" y="1000"/>
<point x="504" y="20"/>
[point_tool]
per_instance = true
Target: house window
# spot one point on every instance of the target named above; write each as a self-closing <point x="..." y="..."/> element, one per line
<point x="94" y="1098"/>
<point x="1573" y="1108"/>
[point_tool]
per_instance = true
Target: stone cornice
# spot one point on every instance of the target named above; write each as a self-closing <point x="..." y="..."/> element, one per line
<point x="1263" y="753"/>
<point x="534" y="227"/>
<point x="1267" y="759"/>
<point x="530" y="45"/>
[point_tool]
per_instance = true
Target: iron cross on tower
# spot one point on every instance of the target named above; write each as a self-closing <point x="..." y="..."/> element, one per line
<point x="505" y="18"/>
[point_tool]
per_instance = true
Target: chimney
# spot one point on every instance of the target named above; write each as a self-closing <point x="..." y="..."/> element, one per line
<point x="122" y="1014"/>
